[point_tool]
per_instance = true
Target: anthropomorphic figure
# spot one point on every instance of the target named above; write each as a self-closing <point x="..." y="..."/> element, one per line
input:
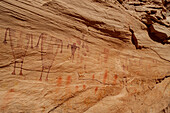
<point x="73" y="49"/>
<point x="19" y="42"/>
<point x="49" y="49"/>
<point x="84" y="52"/>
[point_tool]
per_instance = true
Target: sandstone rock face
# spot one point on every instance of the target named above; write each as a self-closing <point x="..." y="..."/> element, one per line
<point x="84" y="56"/>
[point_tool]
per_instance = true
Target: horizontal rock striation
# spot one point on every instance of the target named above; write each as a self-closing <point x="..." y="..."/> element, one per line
<point x="84" y="56"/>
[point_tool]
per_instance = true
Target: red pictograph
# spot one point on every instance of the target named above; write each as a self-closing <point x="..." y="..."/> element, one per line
<point x="59" y="81"/>
<point x="73" y="49"/>
<point x="115" y="79"/>
<point x="105" y="76"/>
<point x="106" y="54"/>
<point x="84" y="87"/>
<point x="49" y="49"/>
<point x="19" y="42"/>
<point x="78" y="42"/>
<point x="68" y="80"/>
<point x="8" y="97"/>
<point x="96" y="89"/>
<point x="84" y="53"/>
<point x="93" y="77"/>
<point x="84" y="45"/>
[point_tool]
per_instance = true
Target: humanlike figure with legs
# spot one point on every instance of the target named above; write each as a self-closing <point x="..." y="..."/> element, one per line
<point x="73" y="50"/>
<point x="49" y="49"/>
<point x="19" y="43"/>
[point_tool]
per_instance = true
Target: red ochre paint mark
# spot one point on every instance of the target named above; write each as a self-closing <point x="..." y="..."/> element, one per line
<point x="84" y="53"/>
<point x="106" y="52"/>
<point x="11" y="90"/>
<point x="8" y="97"/>
<point x="105" y="77"/>
<point x="96" y="89"/>
<point x="115" y="79"/>
<point x="78" y="42"/>
<point x="19" y="42"/>
<point x="78" y="55"/>
<point x="73" y="49"/>
<point x="93" y="77"/>
<point x="84" y="87"/>
<point x="49" y="49"/>
<point x="87" y="48"/>
<point x="125" y="68"/>
<point x="59" y="81"/>
<point x="77" y="87"/>
<point x="31" y="40"/>
<point x="68" y="80"/>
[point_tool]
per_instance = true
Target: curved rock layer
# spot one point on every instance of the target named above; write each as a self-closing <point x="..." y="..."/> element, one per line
<point x="84" y="56"/>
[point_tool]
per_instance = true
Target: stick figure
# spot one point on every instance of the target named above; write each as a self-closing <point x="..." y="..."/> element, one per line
<point x="49" y="50"/>
<point x="73" y="50"/>
<point x="19" y="43"/>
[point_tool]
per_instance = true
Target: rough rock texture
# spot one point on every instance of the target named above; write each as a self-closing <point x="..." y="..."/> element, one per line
<point x="84" y="56"/>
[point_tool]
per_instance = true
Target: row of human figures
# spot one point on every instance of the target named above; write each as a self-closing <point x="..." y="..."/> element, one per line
<point x="49" y="45"/>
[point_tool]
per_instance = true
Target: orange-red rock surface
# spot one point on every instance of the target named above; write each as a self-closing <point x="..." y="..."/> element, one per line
<point x="84" y="56"/>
